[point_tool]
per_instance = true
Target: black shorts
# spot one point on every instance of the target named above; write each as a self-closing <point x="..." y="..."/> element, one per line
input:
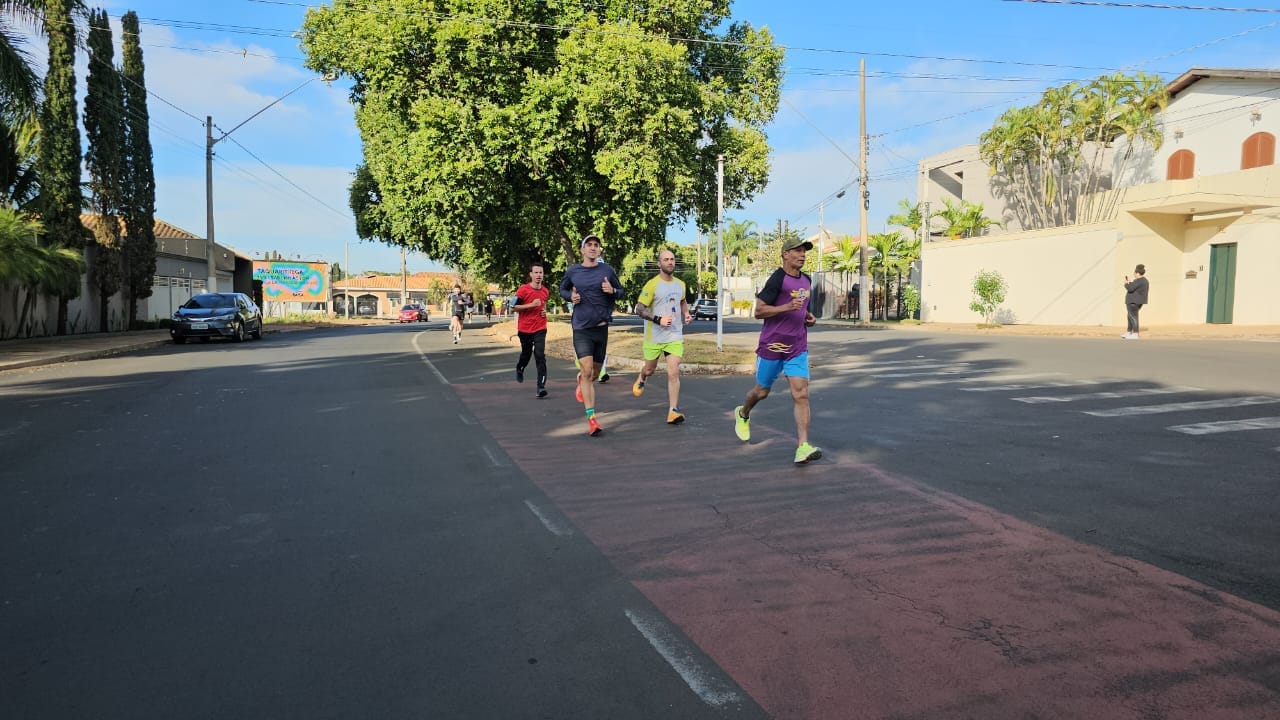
<point x="592" y="342"/>
<point x="460" y="315"/>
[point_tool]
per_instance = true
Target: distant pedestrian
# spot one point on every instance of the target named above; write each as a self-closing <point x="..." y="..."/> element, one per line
<point x="665" y="309"/>
<point x="593" y="288"/>
<point x="1135" y="297"/>
<point x="783" y="348"/>
<point x="531" y="326"/>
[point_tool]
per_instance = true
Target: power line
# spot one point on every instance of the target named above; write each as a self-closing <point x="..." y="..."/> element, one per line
<point x="1150" y="6"/>
<point x="300" y="189"/>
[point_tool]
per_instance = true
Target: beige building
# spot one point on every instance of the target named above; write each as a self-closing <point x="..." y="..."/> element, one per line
<point x="1202" y="213"/>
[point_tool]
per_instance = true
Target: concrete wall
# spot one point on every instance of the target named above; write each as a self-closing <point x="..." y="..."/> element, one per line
<point x="1064" y="276"/>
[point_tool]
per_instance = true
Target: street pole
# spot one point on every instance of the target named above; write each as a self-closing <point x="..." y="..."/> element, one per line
<point x="720" y="253"/>
<point x="863" y="283"/>
<point x="211" y="256"/>
<point x="346" y="276"/>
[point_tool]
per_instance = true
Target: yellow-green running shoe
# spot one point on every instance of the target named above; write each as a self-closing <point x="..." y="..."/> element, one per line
<point x="807" y="452"/>
<point x="741" y="425"/>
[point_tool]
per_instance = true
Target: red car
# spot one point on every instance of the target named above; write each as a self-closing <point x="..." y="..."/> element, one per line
<point x="414" y="312"/>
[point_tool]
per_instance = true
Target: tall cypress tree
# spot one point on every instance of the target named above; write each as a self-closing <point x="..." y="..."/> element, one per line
<point x="104" y="128"/>
<point x="139" y="207"/>
<point x="59" y="149"/>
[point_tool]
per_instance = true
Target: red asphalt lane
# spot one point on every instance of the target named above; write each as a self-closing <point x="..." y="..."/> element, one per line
<point x="840" y="591"/>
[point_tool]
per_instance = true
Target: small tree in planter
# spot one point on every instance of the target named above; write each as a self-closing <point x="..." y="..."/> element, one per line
<point x="989" y="289"/>
<point x="911" y="300"/>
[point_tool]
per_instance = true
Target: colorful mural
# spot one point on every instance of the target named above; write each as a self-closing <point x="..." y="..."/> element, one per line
<point x="282" y="281"/>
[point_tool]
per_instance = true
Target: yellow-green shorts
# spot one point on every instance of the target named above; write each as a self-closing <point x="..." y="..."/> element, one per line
<point x="652" y="351"/>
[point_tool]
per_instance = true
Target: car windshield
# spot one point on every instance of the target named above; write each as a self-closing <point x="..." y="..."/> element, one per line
<point x="408" y="307"/>
<point x="210" y="302"/>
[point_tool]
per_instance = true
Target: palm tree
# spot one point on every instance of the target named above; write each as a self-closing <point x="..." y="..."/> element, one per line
<point x="908" y="252"/>
<point x="909" y="216"/>
<point x="31" y="267"/>
<point x="739" y="240"/>
<point x="966" y="219"/>
<point x="19" y="84"/>
<point x="846" y="262"/>
<point x="886" y="259"/>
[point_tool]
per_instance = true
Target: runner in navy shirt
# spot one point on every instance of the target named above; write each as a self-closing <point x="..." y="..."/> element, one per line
<point x="593" y="288"/>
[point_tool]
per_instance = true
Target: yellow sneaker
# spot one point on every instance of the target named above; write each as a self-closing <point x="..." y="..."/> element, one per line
<point x="637" y="387"/>
<point x="807" y="452"/>
<point x="675" y="417"/>
<point x="741" y="425"/>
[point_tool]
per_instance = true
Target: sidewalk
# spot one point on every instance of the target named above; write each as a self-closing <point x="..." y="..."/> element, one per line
<point x="35" y="352"/>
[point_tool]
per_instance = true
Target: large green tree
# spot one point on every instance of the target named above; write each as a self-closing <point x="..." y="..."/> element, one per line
<point x="497" y="133"/>
<point x="139" y="207"/>
<point x="105" y="160"/>
<point x="58" y="161"/>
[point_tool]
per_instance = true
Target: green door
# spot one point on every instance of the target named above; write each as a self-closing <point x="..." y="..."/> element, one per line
<point x="1222" y="283"/>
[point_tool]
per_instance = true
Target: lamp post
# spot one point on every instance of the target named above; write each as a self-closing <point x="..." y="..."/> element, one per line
<point x="720" y="253"/>
<point x="209" y="142"/>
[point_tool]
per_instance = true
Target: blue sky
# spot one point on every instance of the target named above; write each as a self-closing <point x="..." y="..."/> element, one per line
<point x="939" y="72"/>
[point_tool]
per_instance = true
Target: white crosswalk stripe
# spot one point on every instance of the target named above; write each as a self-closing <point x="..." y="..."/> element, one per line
<point x="1182" y="407"/>
<point x="1111" y="395"/>
<point x="1037" y="386"/>
<point x="933" y="373"/>
<point x="985" y="379"/>
<point x="926" y="372"/>
<point x="1210" y="428"/>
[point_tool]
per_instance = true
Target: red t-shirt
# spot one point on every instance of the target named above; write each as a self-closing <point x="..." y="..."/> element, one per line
<point x="533" y="319"/>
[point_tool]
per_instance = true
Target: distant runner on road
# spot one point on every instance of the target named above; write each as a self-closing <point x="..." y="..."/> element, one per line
<point x="593" y="288"/>
<point x="665" y="310"/>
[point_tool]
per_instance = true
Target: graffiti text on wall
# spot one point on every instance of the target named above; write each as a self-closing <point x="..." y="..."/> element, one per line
<point x="293" y="281"/>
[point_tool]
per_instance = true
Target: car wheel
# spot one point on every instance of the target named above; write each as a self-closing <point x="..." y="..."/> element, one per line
<point x="178" y="339"/>
<point x="237" y="331"/>
<point x="257" y="332"/>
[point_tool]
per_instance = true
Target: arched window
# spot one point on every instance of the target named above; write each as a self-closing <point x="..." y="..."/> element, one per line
<point x="1182" y="165"/>
<point x="1259" y="150"/>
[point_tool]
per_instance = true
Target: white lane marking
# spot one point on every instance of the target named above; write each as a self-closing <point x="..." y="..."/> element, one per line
<point x="935" y="373"/>
<point x="681" y="657"/>
<point x="466" y="419"/>
<point x="555" y="526"/>
<point x="1210" y="428"/>
<point x="1037" y="386"/>
<point x="881" y="367"/>
<point x="427" y="360"/>
<point x="1179" y="407"/>
<point x="991" y="378"/>
<point x="1139" y="392"/>
<point x="492" y="457"/>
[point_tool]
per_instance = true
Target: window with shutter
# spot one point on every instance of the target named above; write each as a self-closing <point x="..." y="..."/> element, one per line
<point x="1182" y="165"/>
<point x="1259" y="150"/>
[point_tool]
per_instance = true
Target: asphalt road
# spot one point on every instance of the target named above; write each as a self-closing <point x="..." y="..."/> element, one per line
<point x="376" y="523"/>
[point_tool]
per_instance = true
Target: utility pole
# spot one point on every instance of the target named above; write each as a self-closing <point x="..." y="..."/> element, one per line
<point x="346" y="279"/>
<point x="211" y="256"/>
<point x="863" y="283"/>
<point x="404" y="276"/>
<point x="720" y="293"/>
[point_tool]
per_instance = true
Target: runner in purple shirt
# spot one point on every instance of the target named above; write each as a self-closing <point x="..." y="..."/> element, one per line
<point x="783" y="304"/>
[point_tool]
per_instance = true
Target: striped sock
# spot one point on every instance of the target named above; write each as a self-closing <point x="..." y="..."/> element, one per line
<point x="591" y="412"/>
